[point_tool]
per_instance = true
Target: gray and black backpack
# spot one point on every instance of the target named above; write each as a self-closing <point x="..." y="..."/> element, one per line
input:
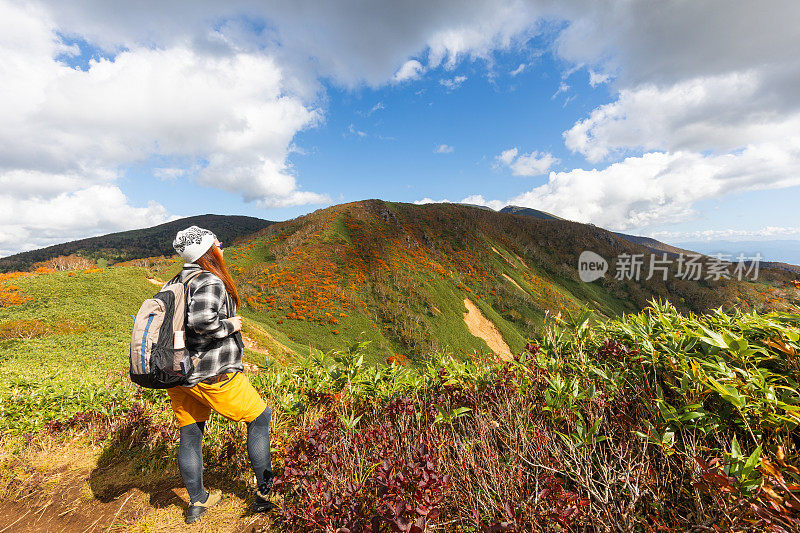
<point x="159" y="359"/>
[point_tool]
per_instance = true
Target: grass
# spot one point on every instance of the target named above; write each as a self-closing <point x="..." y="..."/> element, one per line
<point x="699" y="414"/>
<point x="71" y="366"/>
<point x="338" y="230"/>
<point x="395" y="262"/>
<point x="655" y="419"/>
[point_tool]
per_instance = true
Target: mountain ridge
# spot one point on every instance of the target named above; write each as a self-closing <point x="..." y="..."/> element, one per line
<point x="135" y="244"/>
<point x="402" y="272"/>
<point x="414" y="280"/>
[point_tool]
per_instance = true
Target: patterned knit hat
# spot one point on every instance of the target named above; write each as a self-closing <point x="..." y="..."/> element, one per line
<point x="193" y="242"/>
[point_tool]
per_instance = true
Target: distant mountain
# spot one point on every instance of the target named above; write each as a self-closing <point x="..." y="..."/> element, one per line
<point x="654" y="245"/>
<point x="135" y="244"/>
<point x="651" y="244"/>
<point x="779" y="254"/>
<point x="527" y="211"/>
<point x="781" y="266"/>
<point x="778" y="251"/>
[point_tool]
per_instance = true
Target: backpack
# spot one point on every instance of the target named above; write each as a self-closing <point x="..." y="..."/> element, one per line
<point x="159" y="359"/>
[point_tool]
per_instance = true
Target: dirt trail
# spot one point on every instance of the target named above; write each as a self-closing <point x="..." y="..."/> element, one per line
<point x="259" y="331"/>
<point x="482" y="327"/>
<point x="507" y="260"/>
<point x="64" y="490"/>
<point x="250" y="344"/>
<point x="509" y="278"/>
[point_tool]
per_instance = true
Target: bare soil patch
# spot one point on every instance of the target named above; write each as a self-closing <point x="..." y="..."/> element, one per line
<point x="250" y="344"/>
<point x="504" y="257"/>
<point x="521" y="262"/>
<point x="509" y="278"/>
<point x="482" y="327"/>
<point x="65" y="490"/>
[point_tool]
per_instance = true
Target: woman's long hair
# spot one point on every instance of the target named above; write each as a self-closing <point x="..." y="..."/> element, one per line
<point x="213" y="261"/>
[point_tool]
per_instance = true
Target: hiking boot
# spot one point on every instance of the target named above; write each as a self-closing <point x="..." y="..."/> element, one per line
<point x="266" y="499"/>
<point x="198" y="509"/>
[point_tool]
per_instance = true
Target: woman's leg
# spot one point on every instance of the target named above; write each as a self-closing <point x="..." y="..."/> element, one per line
<point x="258" y="448"/>
<point x="190" y="461"/>
<point x="237" y="400"/>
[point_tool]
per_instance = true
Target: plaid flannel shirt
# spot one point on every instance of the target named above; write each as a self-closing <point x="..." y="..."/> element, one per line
<point x="209" y="335"/>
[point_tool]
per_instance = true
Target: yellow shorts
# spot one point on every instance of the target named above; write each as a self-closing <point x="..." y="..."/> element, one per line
<point x="235" y="399"/>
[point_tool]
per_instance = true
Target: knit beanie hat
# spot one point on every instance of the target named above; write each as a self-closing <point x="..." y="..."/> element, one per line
<point x="193" y="242"/>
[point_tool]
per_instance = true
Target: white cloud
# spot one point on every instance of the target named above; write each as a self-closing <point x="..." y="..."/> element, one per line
<point x="315" y="38"/>
<point x="767" y="232"/>
<point x="427" y="200"/>
<point x="475" y="199"/>
<point x="519" y="70"/>
<point x="453" y="83"/>
<point x="354" y="131"/>
<point x="66" y="130"/>
<point x="532" y="164"/>
<point x="721" y="113"/>
<point x="484" y="27"/>
<point x="598" y="78"/>
<point x="169" y="173"/>
<point x="34" y="222"/>
<point x="411" y="70"/>
<point x="444" y="149"/>
<point x="562" y="88"/>
<point x="680" y="40"/>
<point x="507" y="157"/>
<point x="711" y="87"/>
<point x="24" y="183"/>
<point x="688" y="76"/>
<point x="660" y="188"/>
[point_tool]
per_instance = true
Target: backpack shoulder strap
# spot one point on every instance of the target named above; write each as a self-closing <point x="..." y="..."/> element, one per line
<point x="186" y="283"/>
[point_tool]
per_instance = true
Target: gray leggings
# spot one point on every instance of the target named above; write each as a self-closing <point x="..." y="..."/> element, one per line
<point x="190" y="454"/>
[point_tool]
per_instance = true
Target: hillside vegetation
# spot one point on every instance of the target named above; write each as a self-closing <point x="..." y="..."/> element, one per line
<point x="649" y="421"/>
<point x="610" y="412"/>
<point x="399" y="276"/>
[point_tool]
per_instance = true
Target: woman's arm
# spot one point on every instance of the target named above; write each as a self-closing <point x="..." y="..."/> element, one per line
<point x="204" y="305"/>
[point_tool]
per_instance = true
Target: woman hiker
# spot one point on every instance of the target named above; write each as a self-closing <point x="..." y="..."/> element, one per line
<point x="212" y="335"/>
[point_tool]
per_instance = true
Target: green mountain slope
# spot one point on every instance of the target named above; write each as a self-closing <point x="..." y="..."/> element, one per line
<point x="412" y="279"/>
<point x="135" y="244"/>
<point x="399" y="274"/>
<point x="672" y="388"/>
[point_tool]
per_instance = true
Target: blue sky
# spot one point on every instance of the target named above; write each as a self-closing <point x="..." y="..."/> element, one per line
<point x="673" y="124"/>
<point x="382" y="142"/>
